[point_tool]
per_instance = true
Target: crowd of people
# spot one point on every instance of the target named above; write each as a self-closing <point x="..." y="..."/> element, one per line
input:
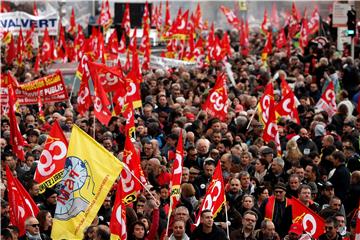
<point x="319" y="163"/>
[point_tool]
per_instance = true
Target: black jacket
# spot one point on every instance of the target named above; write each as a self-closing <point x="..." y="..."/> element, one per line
<point x="216" y="234"/>
<point x="341" y="181"/>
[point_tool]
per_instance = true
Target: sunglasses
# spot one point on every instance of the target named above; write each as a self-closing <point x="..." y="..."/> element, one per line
<point x="35" y="225"/>
<point x="279" y="191"/>
<point x="329" y="228"/>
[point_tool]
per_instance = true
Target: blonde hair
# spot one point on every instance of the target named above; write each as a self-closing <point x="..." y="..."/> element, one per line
<point x="293" y="152"/>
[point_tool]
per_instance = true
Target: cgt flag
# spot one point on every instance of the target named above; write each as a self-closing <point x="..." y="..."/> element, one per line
<point x="216" y="103"/>
<point x="215" y="194"/>
<point x="89" y="174"/>
<point x="52" y="159"/>
<point x="313" y="224"/>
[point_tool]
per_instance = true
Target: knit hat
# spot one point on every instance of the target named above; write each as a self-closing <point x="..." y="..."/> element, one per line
<point x="48" y="193"/>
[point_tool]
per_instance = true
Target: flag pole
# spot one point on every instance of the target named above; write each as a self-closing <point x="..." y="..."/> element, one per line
<point x="252" y="117"/>
<point x="168" y="222"/>
<point x="94" y="123"/>
<point x="227" y="220"/>
<point x="72" y="90"/>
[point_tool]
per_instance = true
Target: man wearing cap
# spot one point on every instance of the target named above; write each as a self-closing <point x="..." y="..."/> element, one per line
<point x="295" y="232"/>
<point x="326" y="193"/>
<point x="267" y="154"/>
<point x="277" y="208"/>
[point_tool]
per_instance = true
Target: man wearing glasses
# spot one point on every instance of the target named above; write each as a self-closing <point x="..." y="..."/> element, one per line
<point x="32" y="229"/>
<point x="331" y="227"/>
<point x="277" y="209"/>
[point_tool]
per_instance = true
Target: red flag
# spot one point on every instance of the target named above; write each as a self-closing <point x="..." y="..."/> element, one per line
<point x="314" y="21"/>
<point x="111" y="78"/>
<point x="72" y="27"/>
<point x="293" y="20"/>
<point x="37" y="64"/>
<point x="281" y="39"/>
<point x="113" y="45"/>
<point x="11" y="51"/>
<point x="179" y="27"/>
<point x="16" y="139"/>
<point x="20" y="47"/>
<point x="304" y="33"/>
<point x="133" y="43"/>
<point x="327" y="102"/>
<point x="83" y="99"/>
<point x="101" y="102"/>
<point x="122" y="45"/>
<point x="127" y="63"/>
<point x="159" y="18"/>
<point x="275" y="21"/>
<point x="35" y="10"/>
<point x="52" y="159"/>
<point x="62" y="46"/>
<point x="167" y="16"/>
<point x="133" y="80"/>
<point x="264" y="103"/>
<point x="225" y="46"/>
<point x="79" y="43"/>
<point x="22" y="206"/>
<point x="176" y="174"/>
<point x="198" y="50"/>
<point x="265" y="23"/>
<point x="125" y="24"/>
<point x="118" y="217"/>
<point x="216" y="103"/>
<point x="197" y="18"/>
<point x="287" y="107"/>
<point x="215" y="194"/>
<point x="271" y="132"/>
<point x="215" y="51"/>
<point x="313" y="224"/>
<point x="154" y="15"/>
<point x="146" y="16"/>
<point x="105" y="18"/>
<point x="230" y="16"/>
<point x="46" y="53"/>
<point x="268" y="44"/>
<point x="28" y="43"/>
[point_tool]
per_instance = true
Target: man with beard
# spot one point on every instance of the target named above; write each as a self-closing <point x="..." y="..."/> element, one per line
<point x="248" y="226"/>
<point x="305" y="144"/>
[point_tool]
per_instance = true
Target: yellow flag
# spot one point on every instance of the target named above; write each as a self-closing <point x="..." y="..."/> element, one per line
<point x="89" y="173"/>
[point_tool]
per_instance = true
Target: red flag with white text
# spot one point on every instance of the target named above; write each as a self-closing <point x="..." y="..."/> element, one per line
<point x="52" y="159"/>
<point x="22" y="206"/>
<point x="216" y="103"/>
<point x="327" y="102"/>
<point x="101" y="102"/>
<point x="230" y="17"/>
<point x="118" y="216"/>
<point x="313" y="224"/>
<point x="125" y="24"/>
<point x="215" y="194"/>
<point x="176" y="174"/>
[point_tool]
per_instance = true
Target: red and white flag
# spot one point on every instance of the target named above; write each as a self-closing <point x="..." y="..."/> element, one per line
<point x="126" y="20"/>
<point x="314" y="21"/>
<point x="72" y="27"/>
<point x="84" y="98"/>
<point x="167" y="16"/>
<point x="46" y="53"/>
<point x="327" y="102"/>
<point x="281" y="39"/>
<point x="275" y="21"/>
<point x="179" y="28"/>
<point x="52" y="159"/>
<point x="304" y="33"/>
<point x="230" y="17"/>
<point x="265" y="25"/>
<point x="101" y="102"/>
<point x="215" y="194"/>
<point x="216" y="103"/>
<point x="313" y="224"/>
<point x="357" y="228"/>
<point x="176" y="174"/>
<point x="118" y="217"/>
<point x="287" y="107"/>
<point x="21" y="204"/>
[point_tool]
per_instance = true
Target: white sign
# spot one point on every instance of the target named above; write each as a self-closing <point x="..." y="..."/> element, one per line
<point x="342" y="38"/>
<point x="340" y="14"/>
<point x="13" y="21"/>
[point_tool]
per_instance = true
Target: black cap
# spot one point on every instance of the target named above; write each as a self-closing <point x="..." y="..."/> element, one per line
<point x="280" y="185"/>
